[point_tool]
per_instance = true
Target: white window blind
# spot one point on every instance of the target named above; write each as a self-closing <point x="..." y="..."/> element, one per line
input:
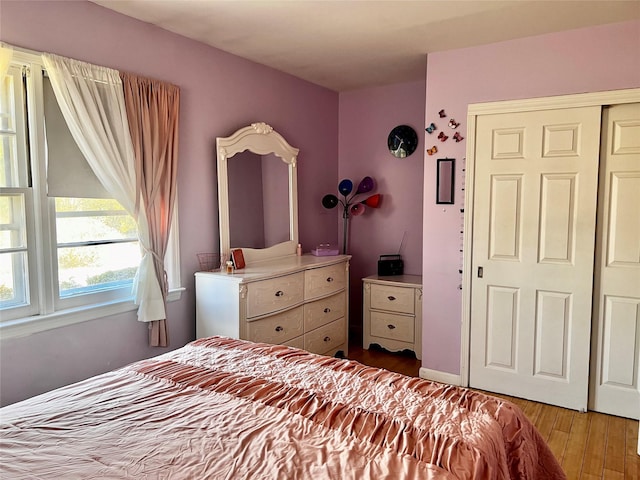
<point x="68" y="173"/>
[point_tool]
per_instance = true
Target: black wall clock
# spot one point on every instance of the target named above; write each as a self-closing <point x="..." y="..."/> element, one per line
<point x="402" y="141"/>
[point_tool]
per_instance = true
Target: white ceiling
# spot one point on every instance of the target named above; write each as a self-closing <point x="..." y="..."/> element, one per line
<point x="350" y="44"/>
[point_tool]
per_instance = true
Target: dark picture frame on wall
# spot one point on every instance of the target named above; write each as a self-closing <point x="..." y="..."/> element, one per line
<point x="445" y="169"/>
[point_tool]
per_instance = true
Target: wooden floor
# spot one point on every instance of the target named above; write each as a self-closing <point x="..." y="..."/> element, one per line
<point x="588" y="445"/>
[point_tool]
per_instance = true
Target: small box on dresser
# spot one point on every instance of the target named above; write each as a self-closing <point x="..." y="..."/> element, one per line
<point x="392" y="312"/>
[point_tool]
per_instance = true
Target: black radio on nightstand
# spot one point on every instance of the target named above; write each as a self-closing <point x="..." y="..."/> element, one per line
<point x="390" y="265"/>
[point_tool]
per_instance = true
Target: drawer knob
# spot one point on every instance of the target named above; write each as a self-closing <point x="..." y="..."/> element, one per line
<point x="327" y="339"/>
<point x="329" y="279"/>
<point x="279" y="328"/>
<point x="391" y="327"/>
<point x="327" y="310"/>
<point x="391" y="298"/>
<point x="279" y="293"/>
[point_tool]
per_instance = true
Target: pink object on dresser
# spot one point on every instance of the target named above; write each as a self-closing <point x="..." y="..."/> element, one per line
<point x="325" y="250"/>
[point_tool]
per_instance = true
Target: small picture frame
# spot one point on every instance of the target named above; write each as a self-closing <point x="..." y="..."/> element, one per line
<point x="446" y="168"/>
<point x="237" y="257"/>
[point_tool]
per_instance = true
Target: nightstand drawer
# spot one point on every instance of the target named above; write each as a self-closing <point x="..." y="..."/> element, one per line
<point x="278" y="328"/>
<point x="392" y="299"/>
<point x="274" y="294"/>
<point x="323" y="311"/>
<point x="324" y="281"/>
<point x="327" y="338"/>
<point x="395" y="327"/>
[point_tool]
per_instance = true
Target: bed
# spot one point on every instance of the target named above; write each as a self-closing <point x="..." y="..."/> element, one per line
<point x="219" y="408"/>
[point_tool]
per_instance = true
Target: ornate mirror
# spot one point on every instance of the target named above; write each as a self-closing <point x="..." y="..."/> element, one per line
<point x="257" y="193"/>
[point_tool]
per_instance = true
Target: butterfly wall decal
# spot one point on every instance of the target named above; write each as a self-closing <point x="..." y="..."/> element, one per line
<point x="431" y="128"/>
<point x="442" y="114"/>
<point x="432" y="150"/>
<point x="442" y="137"/>
<point x="453" y="123"/>
<point x="457" y="137"/>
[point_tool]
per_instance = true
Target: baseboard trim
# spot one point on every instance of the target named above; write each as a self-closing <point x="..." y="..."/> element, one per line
<point x="442" y="377"/>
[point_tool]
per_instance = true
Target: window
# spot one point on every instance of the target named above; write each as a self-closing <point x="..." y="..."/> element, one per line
<point x="97" y="248"/>
<point x="17" y="248"/>
<point x="65" y="246"/>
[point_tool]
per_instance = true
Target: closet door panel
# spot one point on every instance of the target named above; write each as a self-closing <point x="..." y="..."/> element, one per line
<point x="615" y="382"/>
<point x="624" y="229"/>
<point x="535" y="197"/>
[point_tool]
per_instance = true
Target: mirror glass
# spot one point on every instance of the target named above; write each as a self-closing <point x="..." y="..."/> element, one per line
<point x="257" y="194"/>
<point x="258" y="200"/>
<point x="445" y="185"/>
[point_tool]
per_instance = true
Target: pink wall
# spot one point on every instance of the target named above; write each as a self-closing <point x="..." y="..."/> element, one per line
<point x="586" y="60"/>
<point x="219" y="94"/>
<point x="366" y="118"/>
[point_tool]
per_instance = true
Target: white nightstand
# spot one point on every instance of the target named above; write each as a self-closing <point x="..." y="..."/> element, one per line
<point x="392" y="312"/>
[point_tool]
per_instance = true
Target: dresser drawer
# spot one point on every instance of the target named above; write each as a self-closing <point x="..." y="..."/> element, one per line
<point x="326" y="338"/>
<point x="297" y="342"/>
<point x="395" y="327"/>
<point x="274" y="294"/>
<point x="323" y="311"/>
<point x="392" y="299"/>
<point x="324" y="281"/>
<point x="278" y="328"/>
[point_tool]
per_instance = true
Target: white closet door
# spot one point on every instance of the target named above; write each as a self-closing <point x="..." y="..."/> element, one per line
<point x="533" y="244"/>
<point x="616" y="348"/>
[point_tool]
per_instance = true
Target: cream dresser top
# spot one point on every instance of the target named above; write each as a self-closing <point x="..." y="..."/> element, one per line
<point x="277" y="267"/>
<point x="404" y="280"/>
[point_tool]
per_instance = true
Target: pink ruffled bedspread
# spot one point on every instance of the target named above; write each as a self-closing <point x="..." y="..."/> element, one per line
<point x="228" y="409"/>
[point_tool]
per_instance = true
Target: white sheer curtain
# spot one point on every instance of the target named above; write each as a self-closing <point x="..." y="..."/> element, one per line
<point x="92" y="102"/>
<point x="6" y="53"/>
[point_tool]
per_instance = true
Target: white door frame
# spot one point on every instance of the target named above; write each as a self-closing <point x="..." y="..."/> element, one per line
<point x="612" y="97"/>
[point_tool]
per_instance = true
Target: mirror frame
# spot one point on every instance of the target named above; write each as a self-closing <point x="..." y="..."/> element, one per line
<point x="445" y="184"/>
<point x="259" y="138"/>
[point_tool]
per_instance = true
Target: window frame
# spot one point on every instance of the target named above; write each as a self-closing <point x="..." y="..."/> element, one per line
<point x="46" y="310"/>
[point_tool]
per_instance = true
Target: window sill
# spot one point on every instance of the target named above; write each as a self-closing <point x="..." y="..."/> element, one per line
<point x="39" y="323"/>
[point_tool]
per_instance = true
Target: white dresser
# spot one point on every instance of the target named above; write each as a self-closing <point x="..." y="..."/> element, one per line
<point x="392" y="312"/>
<point x="300" y="301"/>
